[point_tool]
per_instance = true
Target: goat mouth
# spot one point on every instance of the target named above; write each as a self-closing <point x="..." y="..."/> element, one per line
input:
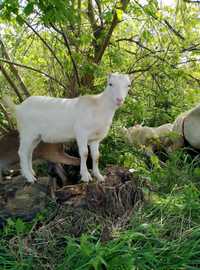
<point x="119" y="103"/>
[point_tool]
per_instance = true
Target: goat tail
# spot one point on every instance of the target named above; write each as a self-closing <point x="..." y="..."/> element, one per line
<point x="10" y="104"/>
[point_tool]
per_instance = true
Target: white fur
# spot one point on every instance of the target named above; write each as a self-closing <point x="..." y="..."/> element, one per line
<point x="191" y="126"/>
<point x="139" y="135"/>
<point x="86" y="119"/>
<point x="150" y="137"/>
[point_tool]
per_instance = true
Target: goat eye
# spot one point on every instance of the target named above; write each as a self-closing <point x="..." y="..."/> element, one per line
<point x="129" y="85"/>
<point x="110" y="84"/>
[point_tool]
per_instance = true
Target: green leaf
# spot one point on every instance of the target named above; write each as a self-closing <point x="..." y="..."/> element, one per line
<point x="108" y="16"/>
<point x="20" y="226"/>
<point x="146" y="35"/>
<point x="119" y="13"/>
<point x="197" y="172"/>
<point x="155" y="161"/>
<point x="29" y="8"/>
<point x="19" y="20"/>
<point x="10" y="222"/>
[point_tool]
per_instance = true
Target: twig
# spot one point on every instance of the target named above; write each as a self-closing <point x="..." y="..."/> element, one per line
<point x="45" y="43"/>
<point x="62" y="33"/>
<point x="6" y="116"/>
<point x="33" y="69"/>
<point x="13" y="69"/>
<point x="143" y="69"/>
<point x="12" y="84"/>
<point x="174" y="30"/>
<point x="72" y="59"/>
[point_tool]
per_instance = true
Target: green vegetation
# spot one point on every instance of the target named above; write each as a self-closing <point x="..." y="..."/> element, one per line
<point x="163" y="233"/>
<point x="73" y="45"/>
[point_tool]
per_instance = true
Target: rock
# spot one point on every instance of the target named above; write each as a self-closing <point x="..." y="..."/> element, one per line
<point x="19" y="199"/>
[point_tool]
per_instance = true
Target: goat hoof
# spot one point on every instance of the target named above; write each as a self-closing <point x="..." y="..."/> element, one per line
<point x="32" y="180"/>
<point x="100" y="178"/>
<point x="83" y="181"/>
<point x="86" y="178"/>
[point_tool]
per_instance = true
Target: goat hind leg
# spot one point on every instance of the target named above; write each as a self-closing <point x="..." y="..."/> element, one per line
<point x="30" y="158"/>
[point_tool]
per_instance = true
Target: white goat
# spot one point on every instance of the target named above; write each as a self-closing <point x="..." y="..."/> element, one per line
<point x="139" y="135"/>
<point x="57" y="120"/>
<point x="188" y="128"/>
<point x="150" y="137"/>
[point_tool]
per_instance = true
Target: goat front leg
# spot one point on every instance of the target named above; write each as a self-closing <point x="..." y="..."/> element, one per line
<point x="25" y="154"/>
<point x="94" y="148"/>
<point x="83" y="152"/>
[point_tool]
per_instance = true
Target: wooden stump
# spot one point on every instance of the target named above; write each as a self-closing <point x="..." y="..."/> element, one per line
<point x="120" y="192"/>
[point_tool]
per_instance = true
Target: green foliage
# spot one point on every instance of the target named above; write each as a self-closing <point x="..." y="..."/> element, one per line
<point x="92" y="254"/>
<point x="163" y="234"/>
<point x="160" y="45"/>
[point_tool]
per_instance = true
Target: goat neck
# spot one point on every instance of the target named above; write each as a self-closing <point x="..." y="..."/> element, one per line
<point x="108" y="101"/>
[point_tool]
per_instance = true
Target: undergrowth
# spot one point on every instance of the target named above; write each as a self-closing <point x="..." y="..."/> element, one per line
<point x="163" y="234"/>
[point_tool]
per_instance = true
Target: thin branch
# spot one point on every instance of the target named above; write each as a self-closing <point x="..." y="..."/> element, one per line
<point x="194" y="78"/>
<point x="187" y="61"/>
<point x="12" y="84"/>
<point x="62" y="33"/>
<point x="45" y="43"/>
<point x="193" y="47"/>
<point x="79" y="15"/>
<point x="143" y="69"/>
<point x="72" y="59"/>
<point x="3" y="130"/>
<point x="33" y="69"/>
<point x="11" y="126"/>
<point x="13" y="69"/>
<point x="91" y="16"/>
<point x="107" y="38"/>
<point x="156" y="81"/>
<point x="98" y="3"/>
<point x="174" y="30"/>
<point x="149" y="50"/>
<point x="163" y="23"/>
